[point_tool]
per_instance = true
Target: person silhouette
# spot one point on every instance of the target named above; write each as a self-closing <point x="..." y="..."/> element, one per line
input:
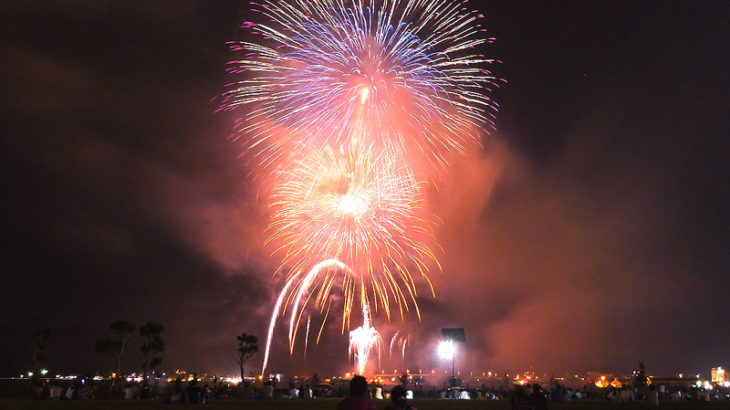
<point x="357" y="399"/>
<point x="398" y="400"/>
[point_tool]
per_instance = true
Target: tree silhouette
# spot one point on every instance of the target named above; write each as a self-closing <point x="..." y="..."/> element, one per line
<point x="152" y="345"/>
<point x="247" y="346"/>
<point x="122" y="329"/>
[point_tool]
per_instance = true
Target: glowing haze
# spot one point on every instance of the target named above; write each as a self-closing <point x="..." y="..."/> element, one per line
<point x="349" y="110"/>
<point x="592" y="232"/>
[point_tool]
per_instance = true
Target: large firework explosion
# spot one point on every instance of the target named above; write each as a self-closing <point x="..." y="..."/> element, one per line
<point x="406" y="73"/>
<point x="350" y="107"/>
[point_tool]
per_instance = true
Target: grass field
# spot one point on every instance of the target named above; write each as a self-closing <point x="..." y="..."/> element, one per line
<point x="322" y="404"/>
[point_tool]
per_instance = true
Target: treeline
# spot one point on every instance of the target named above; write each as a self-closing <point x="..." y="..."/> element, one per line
<point x="118" y="344"/>
<point x="115" y="347"/>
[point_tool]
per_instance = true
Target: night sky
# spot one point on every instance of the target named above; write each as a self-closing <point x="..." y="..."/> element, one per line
<point x="590" y="234"/>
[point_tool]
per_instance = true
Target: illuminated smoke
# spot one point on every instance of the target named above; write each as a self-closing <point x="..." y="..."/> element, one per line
<point x="351" y="108"/>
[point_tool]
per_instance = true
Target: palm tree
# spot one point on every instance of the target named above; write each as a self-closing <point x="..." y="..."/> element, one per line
<point x="122" y="329"/>
<point x="247" y="346"/>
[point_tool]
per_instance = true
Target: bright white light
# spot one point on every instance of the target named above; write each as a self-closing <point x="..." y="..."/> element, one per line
<point x="363" y="340"/>
<point x="353" y="205"/>
<point x="43" y="372"/>
<point x="446" y="349"/>
<point x="364" y="93"/>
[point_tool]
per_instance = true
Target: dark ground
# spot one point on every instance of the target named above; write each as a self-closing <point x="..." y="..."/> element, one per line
<point x="425" y="404"/>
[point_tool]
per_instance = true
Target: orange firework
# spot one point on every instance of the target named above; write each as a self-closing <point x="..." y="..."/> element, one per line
<point x="359" y="207"/>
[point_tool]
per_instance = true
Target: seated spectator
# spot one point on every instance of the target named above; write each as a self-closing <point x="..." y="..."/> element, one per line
<point x="398" y="400"/>
<point x="357" y="399"/>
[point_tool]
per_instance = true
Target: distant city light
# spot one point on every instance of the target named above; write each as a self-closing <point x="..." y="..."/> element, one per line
<point x="602" y="382"/>
<point x="718" y="375"/>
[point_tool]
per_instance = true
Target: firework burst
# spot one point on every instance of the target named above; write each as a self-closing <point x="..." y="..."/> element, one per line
<point x="352" y="205"/>
<point x="404" y="72"/>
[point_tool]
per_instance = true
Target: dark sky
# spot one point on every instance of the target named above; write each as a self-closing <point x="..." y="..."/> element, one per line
<point x="591" y="233"/>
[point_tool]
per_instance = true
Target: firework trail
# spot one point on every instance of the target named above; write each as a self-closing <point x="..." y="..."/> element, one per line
<point x="351" y="106"/>
<point x="400" y="342"/>
<point x="274" y="315"/>
<point x="324" y="269"/>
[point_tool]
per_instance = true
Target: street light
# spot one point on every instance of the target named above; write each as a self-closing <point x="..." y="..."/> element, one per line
<point x="447" y="348"/>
